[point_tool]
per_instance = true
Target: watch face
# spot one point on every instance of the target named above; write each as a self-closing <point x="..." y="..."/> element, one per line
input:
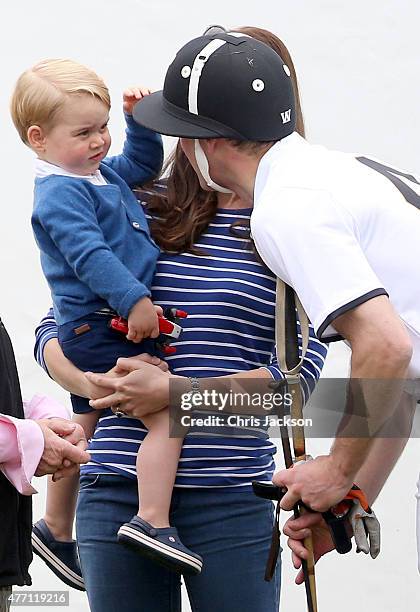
<point x="195" y="386"/>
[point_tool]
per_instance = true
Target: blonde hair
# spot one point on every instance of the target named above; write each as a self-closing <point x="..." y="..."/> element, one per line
<point x="42" y="90"/>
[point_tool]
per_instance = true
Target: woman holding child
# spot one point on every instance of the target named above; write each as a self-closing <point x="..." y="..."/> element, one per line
<point x="209" y="268"/>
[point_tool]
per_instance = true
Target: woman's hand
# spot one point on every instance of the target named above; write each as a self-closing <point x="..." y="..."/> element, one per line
<point x="298" y="529"/>
<point x="94" y="391"/>
<point x="136" y="387"/>
<point x="123" y="366"/>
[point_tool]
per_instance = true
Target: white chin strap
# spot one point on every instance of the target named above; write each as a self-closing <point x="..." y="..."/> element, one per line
<point x="203" y="166"/>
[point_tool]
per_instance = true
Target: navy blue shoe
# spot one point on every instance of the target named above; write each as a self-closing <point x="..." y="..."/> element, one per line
<point x="61" y="557"/>
<point x="162" y="545"/>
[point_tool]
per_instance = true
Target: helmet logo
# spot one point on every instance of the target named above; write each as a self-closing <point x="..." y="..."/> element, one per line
<point x="285" y="117"/>
<point x="258" y="85"/>
<point x="185" y="72"/>
<point x="286" y="69"/>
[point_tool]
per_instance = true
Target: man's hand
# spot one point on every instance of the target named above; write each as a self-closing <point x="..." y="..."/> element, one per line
<point x="143" y="390"/>
<point x="64" y="447"/>
<point x="319" y="483"/>
<point x="143" y="321"/>
<point x="132" y="95"/>
<point x="299" y="529"/>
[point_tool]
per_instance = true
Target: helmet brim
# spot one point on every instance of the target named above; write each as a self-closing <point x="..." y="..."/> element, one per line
<point x="157" y="114"/>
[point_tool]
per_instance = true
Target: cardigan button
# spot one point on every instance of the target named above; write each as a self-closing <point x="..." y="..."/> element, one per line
<point x="136" y="225"/>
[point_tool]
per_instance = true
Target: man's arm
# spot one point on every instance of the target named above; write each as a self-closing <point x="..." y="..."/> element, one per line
<point x="375" y="353"/>
<point x="381" y="353"/>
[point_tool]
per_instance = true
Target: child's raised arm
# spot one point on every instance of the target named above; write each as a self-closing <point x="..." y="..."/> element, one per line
<point x="142" y="156"/>
<point x="132" y="95"/>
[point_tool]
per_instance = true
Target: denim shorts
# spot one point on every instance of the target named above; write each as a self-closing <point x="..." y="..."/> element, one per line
<point x="91" y="345"/>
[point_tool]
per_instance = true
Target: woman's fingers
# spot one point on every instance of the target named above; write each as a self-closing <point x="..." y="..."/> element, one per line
<point x="304" y="522"/>
<point x="298" y="550"/>
<point x="129" y="364"/>
<point x="300" y="578"/>
<point x="162" y="365"/>
<point x="299" y="529"/>
<point x="143" y="388"/>
<point x="105" y="402"/>
<point x="296" y="560"/>
<point x="125" y="365"/>
<point x="101" y="380"/>
<point x="141" y="362"/>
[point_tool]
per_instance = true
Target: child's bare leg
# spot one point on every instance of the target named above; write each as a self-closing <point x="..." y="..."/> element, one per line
<point x="149" y="532"/>
<point x="157" y="462"/>
<point x="62" y="495"/>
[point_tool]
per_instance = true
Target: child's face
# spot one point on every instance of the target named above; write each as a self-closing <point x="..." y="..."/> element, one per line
<point x="80" y="139"/>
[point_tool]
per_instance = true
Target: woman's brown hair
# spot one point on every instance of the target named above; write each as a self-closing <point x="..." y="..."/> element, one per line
<point x="184" y="212"/>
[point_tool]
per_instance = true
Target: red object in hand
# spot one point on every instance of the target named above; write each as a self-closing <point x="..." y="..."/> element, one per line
<point x="119" y="324"/>
<point x="166" y="327"/>
<point x="180" y="314"/>
<point x="169" y="330"/>
<point x="168" y="350"/>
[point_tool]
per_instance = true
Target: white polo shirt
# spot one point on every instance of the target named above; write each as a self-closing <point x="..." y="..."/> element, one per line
<point x="340" y="230"/>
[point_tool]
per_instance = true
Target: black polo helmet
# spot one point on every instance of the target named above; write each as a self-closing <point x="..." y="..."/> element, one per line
<point x="223" y="85"/>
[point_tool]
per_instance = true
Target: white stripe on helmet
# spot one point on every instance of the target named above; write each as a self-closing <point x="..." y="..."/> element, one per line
<point x="196" y="71"/>
<point x="239" y="35"/>
<point x="198" y="65"/>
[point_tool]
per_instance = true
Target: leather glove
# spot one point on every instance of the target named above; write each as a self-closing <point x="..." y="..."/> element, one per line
<point x="366" y="529"/>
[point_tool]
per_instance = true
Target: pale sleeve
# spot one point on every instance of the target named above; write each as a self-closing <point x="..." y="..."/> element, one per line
<point x="43" y="407"/>
<point x="21" y="448"/>
<point x="22" y="441"/>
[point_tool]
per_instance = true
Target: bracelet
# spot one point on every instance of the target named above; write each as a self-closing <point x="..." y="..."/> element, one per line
<point x="195" y="386"/>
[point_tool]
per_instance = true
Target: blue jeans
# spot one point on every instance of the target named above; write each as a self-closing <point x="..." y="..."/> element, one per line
<point x="230" y="530"/>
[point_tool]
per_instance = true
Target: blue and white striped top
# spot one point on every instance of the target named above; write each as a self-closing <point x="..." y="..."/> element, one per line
<point x="230" y="299"/>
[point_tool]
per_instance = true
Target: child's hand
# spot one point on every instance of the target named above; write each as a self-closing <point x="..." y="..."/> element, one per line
<point x="133" y="95"/>
<point x="143" y="321"/>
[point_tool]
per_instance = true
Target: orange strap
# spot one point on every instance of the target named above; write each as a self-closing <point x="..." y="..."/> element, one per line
<point x="344" y="506"/>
